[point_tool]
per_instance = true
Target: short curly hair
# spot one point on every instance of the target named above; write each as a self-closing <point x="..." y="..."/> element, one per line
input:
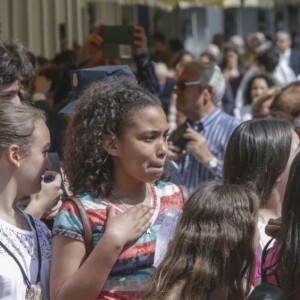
<point x="104" y="108"/>
<point x="15" y="63"/>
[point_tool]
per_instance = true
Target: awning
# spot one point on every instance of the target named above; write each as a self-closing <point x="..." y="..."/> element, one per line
<point x="287" y="2"/>
<point x="171" y="4"/>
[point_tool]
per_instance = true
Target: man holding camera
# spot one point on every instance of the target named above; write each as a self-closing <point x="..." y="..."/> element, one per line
<point x="199" y="89"/>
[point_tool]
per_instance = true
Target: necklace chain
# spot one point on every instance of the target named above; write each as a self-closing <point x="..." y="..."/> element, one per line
<point x="149" y="193"/>
<point x="124" y="204"/>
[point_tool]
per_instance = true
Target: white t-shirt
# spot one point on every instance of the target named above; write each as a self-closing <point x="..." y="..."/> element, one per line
<point x="23" y="245"/>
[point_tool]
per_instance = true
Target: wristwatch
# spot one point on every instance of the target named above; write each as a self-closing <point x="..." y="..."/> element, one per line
<point x="213" y="163"/>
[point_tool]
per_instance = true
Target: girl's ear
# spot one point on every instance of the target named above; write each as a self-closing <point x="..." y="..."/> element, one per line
<point x="13" y="155"/>
<point x="110" y="145"/>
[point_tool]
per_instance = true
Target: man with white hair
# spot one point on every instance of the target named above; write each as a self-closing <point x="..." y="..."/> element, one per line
<point x="199" y="90"/>
<point x="289" y="61"/>
<point x="213" y="50"/>
<point x="238" y="42"/>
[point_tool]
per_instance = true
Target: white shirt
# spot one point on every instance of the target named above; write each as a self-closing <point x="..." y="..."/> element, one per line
<point x="264" y="238"/>
<point x="285" y="57"/>
<point x="283" y="72"/>
<point x="22" y="244"/>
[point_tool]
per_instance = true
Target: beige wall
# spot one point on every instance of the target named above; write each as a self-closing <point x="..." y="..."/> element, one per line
<point x="39" y="23"/>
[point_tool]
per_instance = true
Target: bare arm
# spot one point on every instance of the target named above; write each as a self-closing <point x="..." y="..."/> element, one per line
<point x="145" y="68"/>
<point x="72" y="277"/>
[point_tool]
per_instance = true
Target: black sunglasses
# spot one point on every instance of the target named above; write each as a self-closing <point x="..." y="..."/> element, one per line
<point x="184" y="84"/>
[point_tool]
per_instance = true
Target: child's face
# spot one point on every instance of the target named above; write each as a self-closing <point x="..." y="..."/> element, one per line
<point x="142" y="148"/>
<point x="258" y="86"/>
<point x="34" y="164"/>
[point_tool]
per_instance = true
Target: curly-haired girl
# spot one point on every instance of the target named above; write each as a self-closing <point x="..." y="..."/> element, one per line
<point x="212" y="254"/>
<point x="116" y="147"/>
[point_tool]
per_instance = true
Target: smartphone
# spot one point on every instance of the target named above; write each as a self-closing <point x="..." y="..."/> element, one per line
<point x="118" y="41"/>
<point x="177" y="138"/>
<point x="119" y="34"/>
<point x="114" y="50"/>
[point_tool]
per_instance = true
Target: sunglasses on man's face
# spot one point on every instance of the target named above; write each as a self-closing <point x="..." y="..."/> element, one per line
<point x="184" y="84"/>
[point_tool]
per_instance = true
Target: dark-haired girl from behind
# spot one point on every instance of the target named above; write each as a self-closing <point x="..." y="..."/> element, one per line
<point x="283" y="259"/>
<point x="212" y="255"/>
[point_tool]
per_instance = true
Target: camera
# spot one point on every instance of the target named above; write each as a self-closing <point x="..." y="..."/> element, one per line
<point x="177" y="138"/>
<point x="118" y="41"/>
<point x="48" y="178"/>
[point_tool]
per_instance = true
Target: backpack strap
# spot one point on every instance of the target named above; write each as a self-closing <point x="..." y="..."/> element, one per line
<point x="87" y="228"/>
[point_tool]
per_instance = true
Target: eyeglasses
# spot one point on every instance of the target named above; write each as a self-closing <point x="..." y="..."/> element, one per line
<point x="184" y="84"/>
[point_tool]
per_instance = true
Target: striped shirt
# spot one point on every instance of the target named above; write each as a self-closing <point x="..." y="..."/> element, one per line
<point x="217" y="129"/>
<point x="134" y="266"/>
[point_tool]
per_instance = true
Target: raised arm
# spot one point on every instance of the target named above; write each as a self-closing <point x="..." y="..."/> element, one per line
<point x="145" y="69"/>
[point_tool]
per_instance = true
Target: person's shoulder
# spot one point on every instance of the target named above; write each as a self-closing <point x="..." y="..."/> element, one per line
<point x="166" y="186"/>
<point x="295" y="51"/>
<point x="88" y="200"/>
<point x="274" y="250"/>
<point x="228" y="119"/>
<point x="170" y="192"/>
<point x="40" y="226"/>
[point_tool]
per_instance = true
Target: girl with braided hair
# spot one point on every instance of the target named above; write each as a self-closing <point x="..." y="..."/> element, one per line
<point x="116" y="147"/>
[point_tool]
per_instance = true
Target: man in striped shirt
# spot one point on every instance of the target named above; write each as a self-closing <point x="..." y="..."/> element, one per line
<point x="199" y="92"/>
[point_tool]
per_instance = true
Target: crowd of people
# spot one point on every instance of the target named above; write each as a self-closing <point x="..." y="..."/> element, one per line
<point x="187" y="170"/>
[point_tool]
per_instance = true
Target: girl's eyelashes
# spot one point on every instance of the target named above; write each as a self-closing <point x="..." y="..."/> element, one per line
<point x="167" y="135"/>
<point x="149" y="138"/>
<point x="152" y="136"/>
